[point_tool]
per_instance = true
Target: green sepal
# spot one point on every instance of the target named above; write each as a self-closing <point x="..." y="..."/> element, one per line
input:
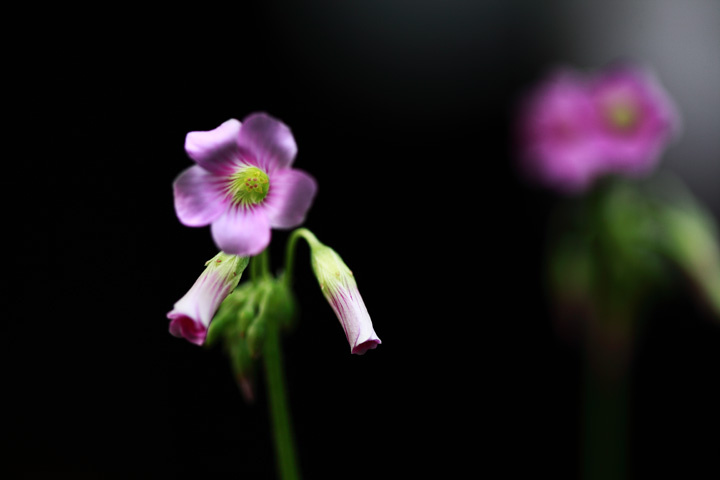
<point x="227" y="315"/>
<point x="276" y="304"/>
<point x="250" y="310"/>
<point x="240" y="358"/>
<point x="246" y="315"/>
<point x="255" y="336"/>
<point x="227" y="311"/>
<point x="280" y="304"/>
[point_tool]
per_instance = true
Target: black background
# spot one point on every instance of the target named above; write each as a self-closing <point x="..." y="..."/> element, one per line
<point x="403" y="115"/>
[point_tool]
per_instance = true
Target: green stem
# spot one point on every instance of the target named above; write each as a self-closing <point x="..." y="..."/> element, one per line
<point x="279" y="411"/>
<point x="605" y="416"/>
<point x="290" y="252"/>
<point x="254" y="269"/>
<point x="260" y="266"/>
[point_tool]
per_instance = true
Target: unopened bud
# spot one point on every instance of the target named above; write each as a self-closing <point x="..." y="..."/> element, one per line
<point x="192" y="314"/>
<point x="340" y="289"/>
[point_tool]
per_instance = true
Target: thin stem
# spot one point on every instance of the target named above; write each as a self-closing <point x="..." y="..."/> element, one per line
<point x="290" y="253"/>
<point x="265" y="263"/>
<point x="260" y="266"/>
<point x="605" y="428"/>
<point x="254" y="269"/>
<point x="284" y="445"/>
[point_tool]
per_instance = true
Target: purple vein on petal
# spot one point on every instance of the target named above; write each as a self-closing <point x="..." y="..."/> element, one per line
<point x="243" y="231"/>
<point x="215" y="150"/>
<point x="198" y="197"/>
<point x="266" y="143"/>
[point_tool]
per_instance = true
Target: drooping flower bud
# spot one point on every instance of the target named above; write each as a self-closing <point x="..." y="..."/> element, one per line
<point x="192" y="314"/>
<point x="340" y="289"/>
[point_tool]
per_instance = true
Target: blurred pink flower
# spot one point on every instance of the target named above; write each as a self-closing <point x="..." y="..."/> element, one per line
<point x="574" y="129"/>
<point x="636" y="119"/>
<point x="557" y="133"/>
<point x="242" y="184"/>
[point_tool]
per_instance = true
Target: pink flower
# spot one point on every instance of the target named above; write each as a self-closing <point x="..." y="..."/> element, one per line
<point x="558" y="134"/>
<point x="574" y="129"/>
<point x="242" y="184"/>
<point x="192" y="314"/>
<point x="636" y="119"/>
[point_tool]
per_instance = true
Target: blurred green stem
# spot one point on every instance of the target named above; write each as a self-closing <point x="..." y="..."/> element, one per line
<point x="279" y="411"/>
<point x="260" y="266"/>
<point x="605" y="415"/>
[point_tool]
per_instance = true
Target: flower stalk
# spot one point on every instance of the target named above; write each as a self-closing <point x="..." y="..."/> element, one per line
<point x="287" y="463"/>
<point x="271" y="304"/>
<point x="605" y="424"/>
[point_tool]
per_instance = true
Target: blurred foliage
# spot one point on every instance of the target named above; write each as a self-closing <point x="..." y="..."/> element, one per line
<point x="616" y="249"/>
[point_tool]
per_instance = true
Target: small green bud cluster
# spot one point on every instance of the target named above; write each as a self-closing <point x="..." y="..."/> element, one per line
<point x="242" y="321"/>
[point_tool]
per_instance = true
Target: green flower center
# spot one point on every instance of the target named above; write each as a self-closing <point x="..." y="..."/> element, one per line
<point x="249" y="186"/>
<point x="622" y="115"/>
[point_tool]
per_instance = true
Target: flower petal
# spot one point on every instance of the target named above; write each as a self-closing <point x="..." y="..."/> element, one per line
<point x="183" y="326"/>
<point x="289" y="198"/>
<point x="199" y="198"/>
<point x="242" y="231"/>
<point x="215" y="150"/>
<point x="266" y="142"/>
<point x="556" y="133"/>
<point x="355" y="320"/>
<point x="192" y="314"/>
<point x="633" y="148"/>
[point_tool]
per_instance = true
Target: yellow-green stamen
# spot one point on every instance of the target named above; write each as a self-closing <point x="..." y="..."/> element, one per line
<point x="248" y="186"/>
<point x="622" y="115"/>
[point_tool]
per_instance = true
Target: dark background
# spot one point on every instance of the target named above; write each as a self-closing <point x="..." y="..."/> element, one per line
<point x="402" y="111"/>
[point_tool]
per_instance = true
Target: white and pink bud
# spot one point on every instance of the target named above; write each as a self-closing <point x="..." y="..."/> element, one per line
<point x="340" y="289"/>
<point x="192" y="314"/>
